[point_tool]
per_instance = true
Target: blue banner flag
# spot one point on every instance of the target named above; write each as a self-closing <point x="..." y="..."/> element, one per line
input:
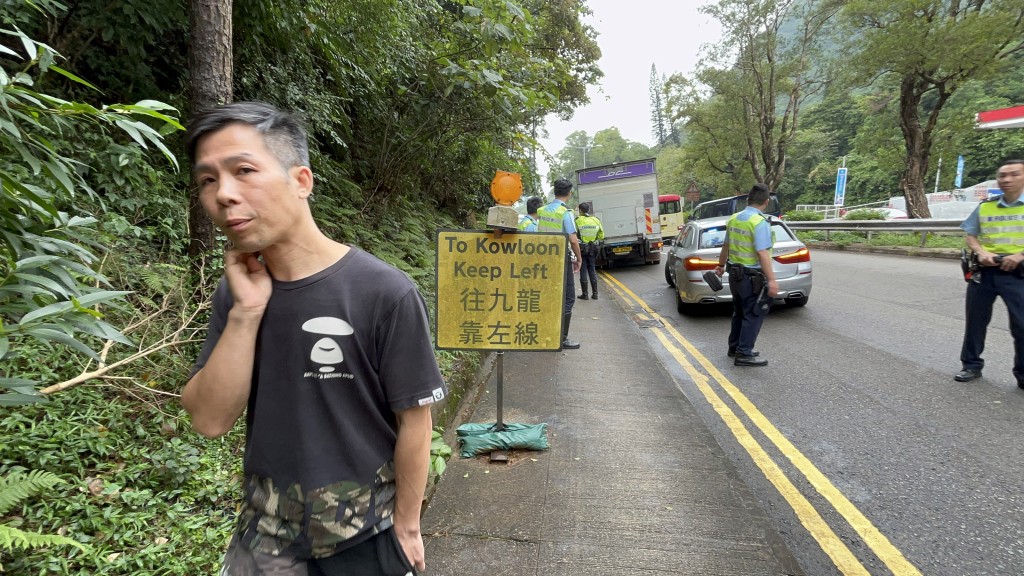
<point x="840" y="187"/>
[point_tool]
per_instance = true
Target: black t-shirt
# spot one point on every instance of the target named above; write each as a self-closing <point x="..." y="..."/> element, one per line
<point x="338" y="353"/>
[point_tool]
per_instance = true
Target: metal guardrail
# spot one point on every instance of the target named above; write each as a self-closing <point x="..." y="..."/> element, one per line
<point x="832" y="211"/>
<point x="923" y="226"/>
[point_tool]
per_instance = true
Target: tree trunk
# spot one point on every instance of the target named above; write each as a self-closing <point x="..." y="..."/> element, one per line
<point x="210" y="73"/>
<point x="918" y="147"/>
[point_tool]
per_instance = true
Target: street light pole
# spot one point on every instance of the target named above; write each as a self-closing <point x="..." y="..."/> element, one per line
<point x="584" y="149"/>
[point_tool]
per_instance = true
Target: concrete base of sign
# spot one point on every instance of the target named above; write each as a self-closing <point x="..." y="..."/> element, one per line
<point x="502" y="217"/>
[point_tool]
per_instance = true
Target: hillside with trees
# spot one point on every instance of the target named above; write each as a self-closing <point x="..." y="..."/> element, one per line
<point x="796" y="86"/>
<point x="106" y="273"/>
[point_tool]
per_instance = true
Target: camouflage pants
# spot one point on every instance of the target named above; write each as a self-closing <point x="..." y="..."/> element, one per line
<point x="380" y="555"/>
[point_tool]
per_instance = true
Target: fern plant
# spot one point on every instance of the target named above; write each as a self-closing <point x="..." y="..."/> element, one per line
<point x="19" y="485"/>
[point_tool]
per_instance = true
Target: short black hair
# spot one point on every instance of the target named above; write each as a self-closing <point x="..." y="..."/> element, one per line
<point x="1009" y="161"/>
<point x="586" y="207"/>
<point x="758" y="194"/>
<point x="563" y="187"/>
<point x="282" y="132"/>
<point x="533" y="204"/>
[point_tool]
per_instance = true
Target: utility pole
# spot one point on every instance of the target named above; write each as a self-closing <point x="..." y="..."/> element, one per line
<point x="585" y="148"/>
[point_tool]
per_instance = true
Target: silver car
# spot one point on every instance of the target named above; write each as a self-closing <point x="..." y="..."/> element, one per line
<point x="699" y="244"/>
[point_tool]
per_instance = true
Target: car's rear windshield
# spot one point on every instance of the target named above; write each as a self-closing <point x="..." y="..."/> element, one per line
<point x="714" y="236"/>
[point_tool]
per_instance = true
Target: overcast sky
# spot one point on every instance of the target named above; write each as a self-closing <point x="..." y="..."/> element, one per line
<point x="632" y="35"/>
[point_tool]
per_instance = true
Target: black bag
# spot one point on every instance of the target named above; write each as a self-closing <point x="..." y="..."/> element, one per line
<point x="714" y="282"/>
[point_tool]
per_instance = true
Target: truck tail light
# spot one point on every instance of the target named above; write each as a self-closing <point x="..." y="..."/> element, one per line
<point x="699" y="264"/>
<point x="801" y="255"/>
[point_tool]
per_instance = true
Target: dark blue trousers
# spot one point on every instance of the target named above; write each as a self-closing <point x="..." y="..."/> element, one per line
<point x="589" y="268"/>
<point x="980" y="299"/>
<point x="570" y="288"/>
<point x="746" y="325"/>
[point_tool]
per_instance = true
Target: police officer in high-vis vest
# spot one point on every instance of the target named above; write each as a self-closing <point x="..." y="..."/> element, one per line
<point x="995" y="232"/>
<point x="747" y="255"/>
<point x="529" y="223"/>
<point x="556" y="217"/>
<point x="591" y="232"/>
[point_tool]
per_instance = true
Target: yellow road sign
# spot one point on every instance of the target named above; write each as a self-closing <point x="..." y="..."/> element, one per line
<point x="501" y="293"/>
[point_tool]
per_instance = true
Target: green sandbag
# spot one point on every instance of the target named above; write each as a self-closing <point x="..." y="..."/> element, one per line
<point x="481" y="438"/>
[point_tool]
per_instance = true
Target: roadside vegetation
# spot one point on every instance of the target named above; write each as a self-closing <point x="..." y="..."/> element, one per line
<point x="411" y="108"/>
<point x="844" y="238"/>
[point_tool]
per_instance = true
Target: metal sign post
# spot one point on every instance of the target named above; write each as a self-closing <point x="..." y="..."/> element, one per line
<point x="499" y="421"/>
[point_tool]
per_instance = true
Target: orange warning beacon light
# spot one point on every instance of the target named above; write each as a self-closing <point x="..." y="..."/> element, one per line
<point x="506" y="188"/>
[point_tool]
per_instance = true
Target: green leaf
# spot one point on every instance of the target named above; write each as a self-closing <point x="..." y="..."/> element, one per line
<point x="16" y="383"/>
<point x="58" y="173"/>
<point x="140" y="108"/>
<point x="154" y="105"/>
<point x="5" y="347"/>
<point x="38" y="197"/>
<point x="132" y="131"/>
<point x="34" y="262"/>
<point x="44" y="282"/>
<point x="101" y="296"/>
<point x="50" y="310"/>
<point x="62" y="338"/>
<point x="74" y="78"/>
<point x="45" y="59"/>
<point x="21" y="400"/>
<point x="103" y="330"/>
<point x="8" y="51"/>
<point x="30" y="46"/>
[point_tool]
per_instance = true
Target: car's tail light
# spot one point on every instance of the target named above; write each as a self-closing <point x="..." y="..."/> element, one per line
<point x="698" y="264"/>
<point x="801" y="255"/>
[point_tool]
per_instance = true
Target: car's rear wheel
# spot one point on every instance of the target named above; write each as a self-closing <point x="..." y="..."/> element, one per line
<point x="668" y="276"/>
<point x="682" y="307"/>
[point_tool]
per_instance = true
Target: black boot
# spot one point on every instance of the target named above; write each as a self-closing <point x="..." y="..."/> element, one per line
<point x="593" y="295"/>
<point x="583" y="293"/>
<point x="566" y="343"/>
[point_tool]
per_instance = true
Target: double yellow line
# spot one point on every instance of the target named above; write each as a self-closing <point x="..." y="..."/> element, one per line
<point x="811" y="519"/>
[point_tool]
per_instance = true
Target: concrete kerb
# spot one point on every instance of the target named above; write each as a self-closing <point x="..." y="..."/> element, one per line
<point x="467" y="403"/>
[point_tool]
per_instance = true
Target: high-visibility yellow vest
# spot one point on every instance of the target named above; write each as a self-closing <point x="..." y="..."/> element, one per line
<point x="1002" y="228"/>
<point x="741" y="240"/>
<point x="549" y="217"/>
<point x="526" y="223"/>
<point x="589" y="228"/>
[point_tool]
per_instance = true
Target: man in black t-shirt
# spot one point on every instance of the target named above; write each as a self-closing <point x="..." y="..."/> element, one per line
<point x="326" y="347"/>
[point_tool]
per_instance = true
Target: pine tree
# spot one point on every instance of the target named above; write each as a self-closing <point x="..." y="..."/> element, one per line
<point x="657" y="110"/>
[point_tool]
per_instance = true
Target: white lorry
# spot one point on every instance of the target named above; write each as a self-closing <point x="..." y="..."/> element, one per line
<point x="625" y="198"/>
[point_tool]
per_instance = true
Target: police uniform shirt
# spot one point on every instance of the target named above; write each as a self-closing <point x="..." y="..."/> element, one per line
<point x="762" y="234"/>
<point x="568" y="221"/>
<point x="972" y="224"/>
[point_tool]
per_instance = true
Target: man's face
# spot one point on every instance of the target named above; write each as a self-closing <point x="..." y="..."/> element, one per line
<point x="249" y="195"/>
<point x="1011" y="178"/>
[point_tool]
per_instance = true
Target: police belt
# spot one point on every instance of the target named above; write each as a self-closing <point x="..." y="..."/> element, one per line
<point x="739" y="271"/>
